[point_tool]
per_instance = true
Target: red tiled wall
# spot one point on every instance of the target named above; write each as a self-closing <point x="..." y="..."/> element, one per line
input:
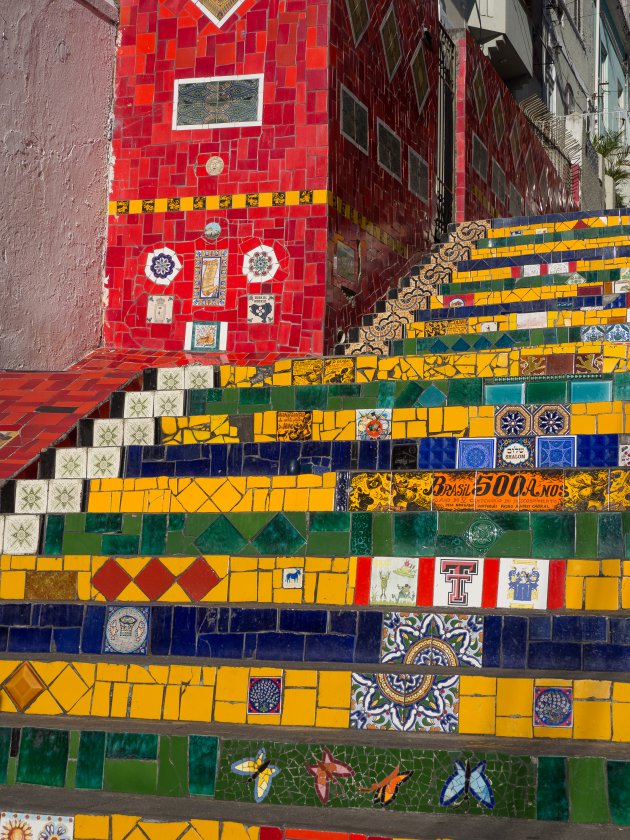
<point x="475" y="197"/>
<point x="358" y="179"/>
<point x="164" y="40"/>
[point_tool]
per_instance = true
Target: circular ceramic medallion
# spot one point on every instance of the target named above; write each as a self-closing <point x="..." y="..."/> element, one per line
<point x="126" y="630"/>
<point x="482" y="533"/>
<point x="214" y="165"/>
<point x="552" y="707"/>
<point x="431" y="651"/>
<point x="405" y="689"/>
<point x="212" y="230"/>
<point x="264" y="695"/>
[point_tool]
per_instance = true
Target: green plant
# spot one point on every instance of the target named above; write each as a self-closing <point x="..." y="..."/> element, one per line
<point x="612" y="147"/>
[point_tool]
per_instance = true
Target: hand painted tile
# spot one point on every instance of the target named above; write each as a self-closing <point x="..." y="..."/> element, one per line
<point x="475" y="453"/>
<point x="523" y="583"/>
<point x="126" y="630"/>
<point x="556" y="451"/>
<point x="553" y="707"/>
<point x="374" y="425"/>
<point x="394" y="580"/>
<point x="458" y="582"/>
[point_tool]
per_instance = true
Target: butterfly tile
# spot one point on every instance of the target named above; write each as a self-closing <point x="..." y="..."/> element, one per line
<point x="71" y="463"/>
<point x="103" y="462"/>
<point x="168" y="403"/>
<point x="140" y="432"/>
<point x="31" y="496"/>
<point x="197" y="377"/>
<point x="65" y="495"/>
<point x="170" y="379"/>
<point x="21" y="534"/>
<point x="107" y="433"/>
<point x="138" y="404"/>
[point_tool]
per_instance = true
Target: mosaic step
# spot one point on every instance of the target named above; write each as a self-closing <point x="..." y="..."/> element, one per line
<point x="533" y="262"/>
<point x="327" y="581"/>
<point x="507" y="339"/>
<point x="581" y="789"/>
<point x="575" y="220"/>
<point x="548" y="535"/>
<point x="586" y="278"/>
<point x="517" y="321"/>
<point x="608" y="235"/>
<point x="298" y="457"/>
<point x="427" y="640"/>
<point x="439" y="704"/>
<point x="469" y="488"/>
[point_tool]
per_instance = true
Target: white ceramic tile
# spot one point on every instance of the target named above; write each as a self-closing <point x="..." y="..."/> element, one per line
<point x="33" y="826"/>
<point x="138" y="404"/>
<point x="64" y="495"/>
<point x="71" y="463"/>
<point x="394" y="580"/>
<point x="31" y="496"/>
<point x="458" y="582"/>
<point x="168" y="403"/>
<point x="527" y="320"/>
<point x="103" y="462"/>
<point x="21" y="534"/>
<point x="108" y="433"/>
<point x="139" y="432"/>
<point x="198" y="377"/>
<point x="523" y="584"/>
<point x="170" y="379"/>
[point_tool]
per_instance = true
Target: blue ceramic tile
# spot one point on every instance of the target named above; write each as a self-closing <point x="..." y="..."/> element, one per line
<point x="540" y="628"/>
<point x="620" y="631"/>
<point x="600" y="657"/>
<point x="343" y="622"/>
<point x="184" y="637"/>
<point x="369" y="637"/>
<point x="93" y="628"/>
<point x="160" y="628"/>
<point x="67" y="639"/>
<point x="303" y="621"/>
<point x="15" y="613"/>
<point x="29" y="639"/>
<point x="514" y="642"/>
<point x="207" y="620"/>
<point x="220" y="645"/>
<point x="253" y="621"/>
<point x="326" y="648"/>
<point x="549" y="655"/>
<point x="475" y="453"/>
<point x="492" y="626"/>
<point x="555" y="451"/>
<point x="289" y="646"/>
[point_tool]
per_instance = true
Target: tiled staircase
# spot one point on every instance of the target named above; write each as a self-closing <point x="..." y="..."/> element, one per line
<point x="426" y="534"/>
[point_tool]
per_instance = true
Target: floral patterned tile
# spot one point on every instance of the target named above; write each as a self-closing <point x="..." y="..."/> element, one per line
<point x="432" y="639"/>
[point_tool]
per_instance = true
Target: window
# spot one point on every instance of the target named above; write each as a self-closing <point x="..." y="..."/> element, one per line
<point x="359" y="15"/>
<point x="218" y="101"/>
<point x="499" y="185"/>
<point x="391" y="42"/>
<point x="389" y="150"/>
<point x="354" y="120"/>
<point x="569" y="99"/>
<point x="516" y="201"/>
<point x="576" y="14"/>
<point x="497" y="118"/>
<point x="418" y="176"/>
<point x="479" y="157"/>
<point x="420" y="76"/>
<point x="344" y="262"/>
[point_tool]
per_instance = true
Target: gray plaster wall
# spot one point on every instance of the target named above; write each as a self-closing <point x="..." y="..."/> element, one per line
<point x="56" y="83"/>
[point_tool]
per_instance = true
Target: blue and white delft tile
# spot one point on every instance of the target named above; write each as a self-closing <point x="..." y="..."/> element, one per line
<point x="476" y="453"/>
<point x="556" y="451"/>
<point x="516" y="453"/>
<point x="432" y="639"/>
<point x="405" y="702"/>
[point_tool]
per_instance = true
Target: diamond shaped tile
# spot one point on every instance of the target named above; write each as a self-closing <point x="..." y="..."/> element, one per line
<point x="24" y="686"/>
<point x="154" y="579"/>
<point x="111" y="579"/>
<point x="278" y="537"/>
<point x="198" y="579"/>
<point x="221" y="537"/>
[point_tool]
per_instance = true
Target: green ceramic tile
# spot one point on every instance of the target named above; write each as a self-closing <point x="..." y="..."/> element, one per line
<point x="586" y="535"/>
<point x="132" y="745"/>
<point x="337" y="521"/>
<point x="346" y="390"/>
<point x="153" y="540"/>
<point x="619" y="791"/>
<point x="546" y="391"/>
<point x="508" y="393"/>
<point x="361" y="534"/>
<point x="81" y="543"/>
<point x="610" y="539"/>
<point x="465" y="392"/>
<point x="283" y="399"/>
<point x="408" y="396"/>
<point x="130" y="776"/>
<point x="36" y="744"/>
<point x="414" y="534"/>
<point x="202" y="764"/>
<point x="12" y="771"/>
<point x="621" y="386"/>
<point x="587" y="790"/>
<point x="279" y="537"/>
<point x="553" y="535"/>
<point x="254" y="396"/>
<point x="53" y="540"/>
<point x="382" y="533"/>
<point x="386" y="394"/>
<point x="172" y="766"/>
<point x="132" y="522"/>
<point x="328" y="544"/>
<point x="75" y="522"/>
<point x="119" y="544"/>
<point x="90" y="761"/>
<point x="220" y="538"/>
<point x="551" y="799"/>
<point x="71" y="772"/>
<point x="5" y="748"/>
<point x="73" y="746"/>
<point x="176" y="521"/>
<point x="249" y="524"/>
<point x="103" y="523"/>
<point x="591" y="391"/>
<point x="311" y="397"/>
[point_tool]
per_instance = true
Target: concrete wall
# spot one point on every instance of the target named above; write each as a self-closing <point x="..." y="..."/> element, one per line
<point x="55" y="97"/>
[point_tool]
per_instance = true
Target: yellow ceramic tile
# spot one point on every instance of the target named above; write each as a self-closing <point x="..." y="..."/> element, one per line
<point x="298" y="707"/>
<point x="602" y="594"/>
<point x="513" y="727"/>
<point x="592" y="720"/>
<point x="477" y="685"/>
<point x="592" y="689"/>
<point x="90" y="827"/>
<point x="146" y="701"/>
<point x="514" y="697"/>
<point x="476" y="715"/>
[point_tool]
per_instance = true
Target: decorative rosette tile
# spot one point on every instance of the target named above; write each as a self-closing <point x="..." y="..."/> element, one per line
<point x="162" y="266"/>
<point x="260" y="264"/>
